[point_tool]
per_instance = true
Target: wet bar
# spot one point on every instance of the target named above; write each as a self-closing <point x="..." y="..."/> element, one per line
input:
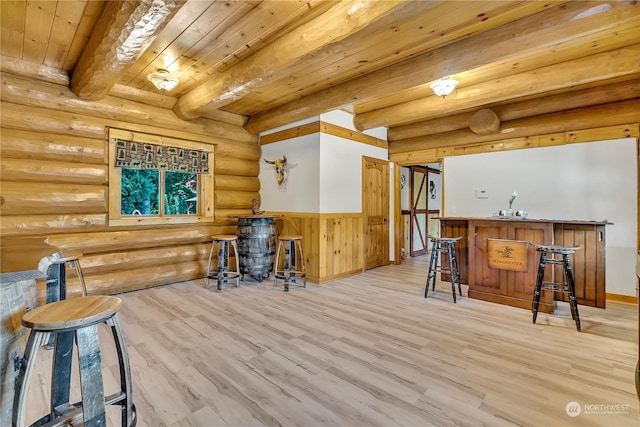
<point x="485" y="257"/>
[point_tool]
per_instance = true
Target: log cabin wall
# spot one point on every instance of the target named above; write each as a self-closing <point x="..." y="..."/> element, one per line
<point x="54" y="185"/>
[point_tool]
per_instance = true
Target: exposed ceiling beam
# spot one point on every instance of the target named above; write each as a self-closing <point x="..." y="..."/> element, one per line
<point x="570" y="120"/>
<point x="534" y="107"/>
<point x="124" y="30"/>
<point x="619" y="64"/>
<point x="539" y="38"/>
<point x="315" y="40"/>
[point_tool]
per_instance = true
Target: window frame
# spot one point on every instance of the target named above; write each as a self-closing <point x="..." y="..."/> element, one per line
<point x="205" y="192"/>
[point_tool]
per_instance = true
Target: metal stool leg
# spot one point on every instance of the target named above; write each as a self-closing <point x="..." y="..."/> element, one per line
<point x="35" y="340"/>
<point x="433" y="261"/>
<point x="128" y="409"/>
<point x="573" y="302"/>
<point x="235" y="253"/>
<point x="76" y="265"/>
<point x="208" y="276"/>
<point x="303" y="261"/>
<point x="287" y="265"/>
<point x="454" y="263"/>
<point x="452" y="258"/>
<point x="222" y="259"/>
<point x="538" y="288"/>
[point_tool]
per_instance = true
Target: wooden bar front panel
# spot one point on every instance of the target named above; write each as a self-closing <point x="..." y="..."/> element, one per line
<point x="453" y="228"/>
<point x="516" y="288"/>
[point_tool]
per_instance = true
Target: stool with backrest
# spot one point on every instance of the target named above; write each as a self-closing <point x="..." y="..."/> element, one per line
<point x="76" y="321"/>
<point x="293" y="262"/>
<point x="443" y="245"/>
<point x="548" y="256"/>
<point x="221" y="272"/>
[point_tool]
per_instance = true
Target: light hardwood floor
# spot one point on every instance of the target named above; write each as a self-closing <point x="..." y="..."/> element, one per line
<point x="368" y="350"/>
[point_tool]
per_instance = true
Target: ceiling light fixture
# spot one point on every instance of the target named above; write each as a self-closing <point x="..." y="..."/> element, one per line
<point x="163" y="80"/>
<point x="444" y="86"/>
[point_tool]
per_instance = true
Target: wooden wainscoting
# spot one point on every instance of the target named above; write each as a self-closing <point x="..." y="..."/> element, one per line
<point x="332" y="243"/>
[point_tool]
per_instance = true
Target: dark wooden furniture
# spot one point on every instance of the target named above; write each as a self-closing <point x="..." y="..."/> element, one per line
<point x="516" y="288"/>
<point x="446" y="246"/>
<point x="565" y="283"/>
<point x="75" y="321"/>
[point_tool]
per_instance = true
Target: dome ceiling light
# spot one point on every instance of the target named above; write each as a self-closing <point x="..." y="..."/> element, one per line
<point x="444" y="86"/>
<point x="163" y="80"/>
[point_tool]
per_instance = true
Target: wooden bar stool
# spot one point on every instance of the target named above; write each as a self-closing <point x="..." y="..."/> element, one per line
<point x="445" y="245"/>
<point x="548" y="257"/>
<point x="222" y="273"/>
<point x="290" y="248"/>
<point x="76" y="321"/>
<point x="57" y="278"/>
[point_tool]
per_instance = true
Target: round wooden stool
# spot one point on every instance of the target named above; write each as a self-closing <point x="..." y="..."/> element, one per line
<point x="76" y="321"/>
<point x="443" y="245"/>
<point x="547" y="257"/>
<point x="222" y="273"/>
<point x="290" y="248"/>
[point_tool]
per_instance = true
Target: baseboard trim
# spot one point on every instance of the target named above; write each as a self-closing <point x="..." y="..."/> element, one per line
<point x="622" y="298"/>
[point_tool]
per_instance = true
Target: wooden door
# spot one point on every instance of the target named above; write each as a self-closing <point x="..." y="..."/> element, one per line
<point x="375" y="209"/>
<point x="418" y="212"/>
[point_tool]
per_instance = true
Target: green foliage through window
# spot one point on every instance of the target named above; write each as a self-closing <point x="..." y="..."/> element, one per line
<point x="141" y="192"/>
<point x="180" y="193"/>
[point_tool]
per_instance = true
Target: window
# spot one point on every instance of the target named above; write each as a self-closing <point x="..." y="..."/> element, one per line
<point x="158" y="180"/>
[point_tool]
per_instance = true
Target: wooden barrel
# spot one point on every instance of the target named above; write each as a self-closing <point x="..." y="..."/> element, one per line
<point x="18" y="295"/>
<point x="256" y="246"/>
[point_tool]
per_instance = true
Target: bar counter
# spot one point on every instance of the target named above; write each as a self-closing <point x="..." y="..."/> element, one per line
<point x="515" y="288"/>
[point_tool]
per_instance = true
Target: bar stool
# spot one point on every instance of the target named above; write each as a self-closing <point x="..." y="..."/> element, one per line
<point x="76" y="321"/>
<point x="443" y="245"/>
<point x="547" y="256"/>
<point x="290" y="248"/>
<point x="222" y="272"/>
<point x="57" y="278"/>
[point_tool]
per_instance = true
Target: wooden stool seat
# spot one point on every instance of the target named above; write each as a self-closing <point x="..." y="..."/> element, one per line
<point x="443" y="245"/>
<point x="547" y="253"/>
<point x="71" y="313"/>
<point x="222" y="273"/>
<point x="225" y="237"/>
<point x="75" y="321"/>
<point x="293" y="263"/>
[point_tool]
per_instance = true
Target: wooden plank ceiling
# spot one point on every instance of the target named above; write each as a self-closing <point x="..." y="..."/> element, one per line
<point x="277" y="61"/>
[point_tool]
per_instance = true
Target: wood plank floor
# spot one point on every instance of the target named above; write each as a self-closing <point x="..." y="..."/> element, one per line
<point x="368" y="350"/>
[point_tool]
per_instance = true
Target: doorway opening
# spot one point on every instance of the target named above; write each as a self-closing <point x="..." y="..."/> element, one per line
<point x="420" y="189"/>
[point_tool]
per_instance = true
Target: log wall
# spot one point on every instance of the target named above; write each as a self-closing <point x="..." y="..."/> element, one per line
<point x="54" y="187"/>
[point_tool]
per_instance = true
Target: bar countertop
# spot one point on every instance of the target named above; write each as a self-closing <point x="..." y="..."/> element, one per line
<point x="524" y="219"/>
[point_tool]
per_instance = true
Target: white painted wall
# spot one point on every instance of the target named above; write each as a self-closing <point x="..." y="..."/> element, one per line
<point x="588" y="181"/>
<point x="301" y="190"/>
<point x="325" y="171"/>
<point x="341" y="173"/>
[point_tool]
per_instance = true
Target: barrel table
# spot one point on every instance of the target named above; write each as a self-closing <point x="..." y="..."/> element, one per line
<point x="256" y="245"/>
<point x="18" y="295"/>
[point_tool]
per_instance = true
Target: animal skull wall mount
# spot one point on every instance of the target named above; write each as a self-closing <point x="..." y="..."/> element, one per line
<point x="280" y="168"/>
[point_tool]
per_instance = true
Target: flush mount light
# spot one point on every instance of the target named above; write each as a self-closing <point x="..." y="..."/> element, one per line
<point x="163" y="80"/>
<point x="444" y="86"/>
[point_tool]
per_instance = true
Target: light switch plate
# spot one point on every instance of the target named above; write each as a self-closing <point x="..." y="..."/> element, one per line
<point x="482" y="194"/>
